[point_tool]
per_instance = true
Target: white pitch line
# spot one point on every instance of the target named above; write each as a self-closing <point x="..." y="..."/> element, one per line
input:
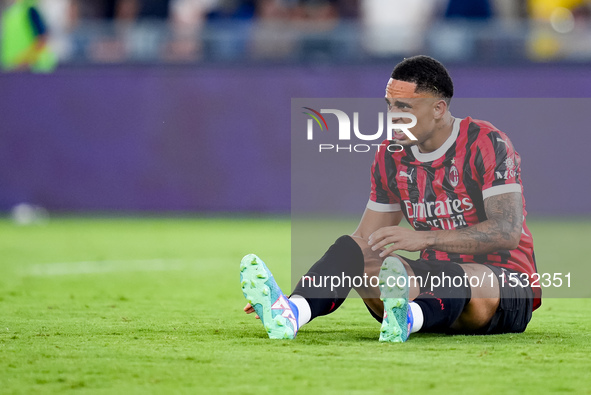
<point x="107" y="266"/>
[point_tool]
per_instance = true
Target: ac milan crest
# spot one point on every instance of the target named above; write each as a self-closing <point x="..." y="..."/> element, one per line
<point x="454" y="176"/>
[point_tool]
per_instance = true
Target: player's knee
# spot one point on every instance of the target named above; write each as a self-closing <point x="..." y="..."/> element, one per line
<point x="477" y="314"/>
<point x="363" y="244"/>
<point x="372" y="259"/>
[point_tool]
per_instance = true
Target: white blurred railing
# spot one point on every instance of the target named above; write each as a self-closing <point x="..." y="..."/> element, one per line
<point x="149" y="42"/>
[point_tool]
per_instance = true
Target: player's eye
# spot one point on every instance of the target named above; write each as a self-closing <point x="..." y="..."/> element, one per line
<point x="401" y="105"/>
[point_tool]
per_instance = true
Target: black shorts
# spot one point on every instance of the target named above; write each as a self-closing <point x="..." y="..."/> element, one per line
<point x="516" y="300"/>
<point x="516" y="304"/>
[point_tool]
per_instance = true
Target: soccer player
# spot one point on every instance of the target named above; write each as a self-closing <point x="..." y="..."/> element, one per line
<point x="459" y="186"/>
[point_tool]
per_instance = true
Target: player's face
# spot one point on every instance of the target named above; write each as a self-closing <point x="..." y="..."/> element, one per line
<point x="423" y="108"/>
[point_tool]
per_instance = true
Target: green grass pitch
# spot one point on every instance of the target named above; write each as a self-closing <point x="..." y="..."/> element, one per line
<point x="154" y="306"/>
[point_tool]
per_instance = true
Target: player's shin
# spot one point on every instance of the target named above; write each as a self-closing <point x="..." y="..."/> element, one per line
<point x="442" y="304"/>
<point x="328" y="282"/>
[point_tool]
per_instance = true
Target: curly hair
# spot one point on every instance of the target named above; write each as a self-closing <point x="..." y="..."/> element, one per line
<point x="430" y="76"/>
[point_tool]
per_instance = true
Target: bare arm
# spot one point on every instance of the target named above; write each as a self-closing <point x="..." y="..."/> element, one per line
<point x="501" y="231"/>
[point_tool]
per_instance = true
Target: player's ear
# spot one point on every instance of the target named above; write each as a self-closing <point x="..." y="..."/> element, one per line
<point x="439" y="109"/>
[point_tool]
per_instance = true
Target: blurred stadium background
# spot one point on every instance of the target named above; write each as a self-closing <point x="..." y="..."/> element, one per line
<point x="181" y="108"/>
<point x="183" y="105"/>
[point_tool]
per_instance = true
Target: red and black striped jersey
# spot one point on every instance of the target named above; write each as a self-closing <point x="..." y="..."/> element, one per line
<point x="446" y="188"/>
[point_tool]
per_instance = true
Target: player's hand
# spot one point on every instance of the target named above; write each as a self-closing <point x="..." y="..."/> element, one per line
<point x="393" y="238"/>
<point x="249" y="310"/>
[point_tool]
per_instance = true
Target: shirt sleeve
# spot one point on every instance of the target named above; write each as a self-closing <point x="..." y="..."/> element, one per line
<point x="497" y="164"/>
<point x="381" y="198"/>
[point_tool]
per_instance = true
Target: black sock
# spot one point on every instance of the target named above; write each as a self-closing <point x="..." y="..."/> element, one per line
<point x="344" y="259"/>
<point x="442" y="301"/>
<point x="439" y="314"/>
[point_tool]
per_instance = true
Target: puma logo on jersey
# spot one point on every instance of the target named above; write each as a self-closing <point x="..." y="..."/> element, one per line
<point x="405" y="174"/>
<point x="501" y="140"/>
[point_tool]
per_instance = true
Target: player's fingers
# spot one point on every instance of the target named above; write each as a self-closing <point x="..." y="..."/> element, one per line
<point x="375" y="237"/>
<point x="384" y="242"/>
<point x="248" y="309"/>
<point x="380" y="234"/>
<point x="388" y="251"/>
<point x="257" y="317"/>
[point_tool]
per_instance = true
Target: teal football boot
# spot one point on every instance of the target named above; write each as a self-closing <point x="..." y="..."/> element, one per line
<point x="397" y="321"/>
<point x="278" y="314"/>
